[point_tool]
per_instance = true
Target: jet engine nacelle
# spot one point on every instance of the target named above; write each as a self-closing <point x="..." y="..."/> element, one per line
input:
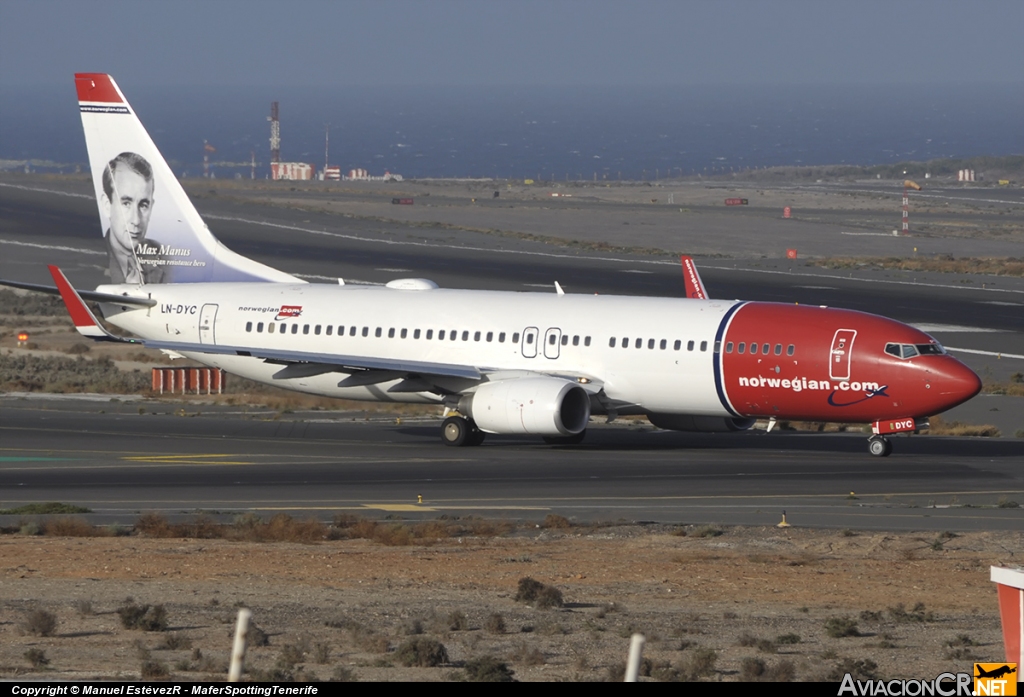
<point x="700" y="424"/>
<point x="542" y="406"/>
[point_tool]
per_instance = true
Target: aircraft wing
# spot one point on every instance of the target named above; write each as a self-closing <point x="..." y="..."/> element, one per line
<point x="330" y="362"/>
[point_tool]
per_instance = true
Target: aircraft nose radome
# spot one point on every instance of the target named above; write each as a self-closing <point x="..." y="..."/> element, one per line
<point x="958" y="383"/>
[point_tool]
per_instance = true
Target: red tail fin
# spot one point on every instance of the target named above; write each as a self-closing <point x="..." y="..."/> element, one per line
<point x="694" y="286"/>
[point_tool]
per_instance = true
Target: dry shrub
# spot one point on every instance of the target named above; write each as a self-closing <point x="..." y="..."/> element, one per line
<point x="144" y="617"/>
<point x="495" y="623"/>
<point x="527" y="655"/>
<point x="540" y="594"/>
<point x="154" y="525"/>
<point x="154" y="670"/>
<point x="556" y="522"/>
<point x="940" y="427"/>
<point x="422" y="652"/>
<point x="756" y="670"/>
<point x="839" y="627"/>
<point x="40" y="622"/>
<point x="457" y="621"/>
<point x="488" y="669"/>
<point x="72" y="527"/>
<point x="36" y="658"/>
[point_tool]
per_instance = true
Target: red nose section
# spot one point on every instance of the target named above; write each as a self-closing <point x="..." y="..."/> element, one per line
<point x="954" y="383"/>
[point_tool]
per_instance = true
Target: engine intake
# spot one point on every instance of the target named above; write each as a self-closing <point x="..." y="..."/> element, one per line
<point x="542" y="406"/>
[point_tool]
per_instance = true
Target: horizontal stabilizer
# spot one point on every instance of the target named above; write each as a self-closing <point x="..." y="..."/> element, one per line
<point x="85" y="321"/>
<point x="90" y="295"/>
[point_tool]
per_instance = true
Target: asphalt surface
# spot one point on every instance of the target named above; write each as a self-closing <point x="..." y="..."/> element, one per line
<point x="106" y="455"/>
<point x="120" y="462"/>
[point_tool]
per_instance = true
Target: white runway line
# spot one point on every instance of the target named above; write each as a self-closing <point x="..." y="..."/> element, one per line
<point x="48" y="191"/>
<point x="985" y="353"/>
<point x="56" y="247"/>
<point x="956" y="328"/>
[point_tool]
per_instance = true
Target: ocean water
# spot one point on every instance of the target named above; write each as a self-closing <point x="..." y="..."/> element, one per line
<point x="539" y="132"/>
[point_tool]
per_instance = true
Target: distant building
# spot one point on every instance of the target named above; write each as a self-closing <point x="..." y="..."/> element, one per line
<point x="332" y="173"/>
<point x="362" y="175"/>
<point x="294" y="171"/>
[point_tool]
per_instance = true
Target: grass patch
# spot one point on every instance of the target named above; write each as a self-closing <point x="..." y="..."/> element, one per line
<point x="943" y="263"/>
<point x="40" y="622"/>
<point x="488" y="669"/>
<point x="48" y="508"/>
<point x="144" y="617"/>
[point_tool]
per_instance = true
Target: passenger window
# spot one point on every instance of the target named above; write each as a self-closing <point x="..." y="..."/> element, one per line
<point x="742" y="348"/>
<point x="576" y="340"/>
<point x="625" y="342"/>
<point x="453" y="335"/>
<point x="728" y="347"/>
<point x="430" y="334"/>
<point x="638" y="343"/>
<point x="295" y="328"/>
<point x="586" y="341"/>
<point x="316" y="330"/>
<point x="529" y="339"/>
<point x="270" y="327"/>
<point x="664" y="344"/>
<point x="405" y="332"/>
<point x="790" y="350"/>
<point x="565" y="339"/>
<point x="366" y="331"/>
<point x="689" y="345"/>
<point x="259" y="327"/>
<point x="391" y="333"/>
<point x="377" y="333"/>
<point x="501" y="337"/>
<point x="490" y="337"/>
<point x="552" y="339"/>
<point x="305" y="329"/>
<point x="330" y="328"/>
<point x="753" y="349"/>
<point x="650" y="344"/>
<point x="476" y="336"/>
<point x="611" y="342"/>
<point x="465" y="335"/>
<point x="718" y="347"/>
<point x="678" y="345"/>
<point x="284" y="328"/>
<point x="416" y="334"/>
<point x="515" y="337"/>
<point x="703" y="346"/>
<point x="248" y="326"/>
<point x="778" y="349"/>
<point x="765" y="348"/>
<point x="352" y="331"/>
<point x="440" y="335"/>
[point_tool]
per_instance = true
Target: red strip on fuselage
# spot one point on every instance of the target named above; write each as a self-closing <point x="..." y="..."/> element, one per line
<point x="824" y="364"/>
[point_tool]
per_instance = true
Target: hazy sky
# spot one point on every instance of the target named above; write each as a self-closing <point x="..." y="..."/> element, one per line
<point x="523" y="42"/>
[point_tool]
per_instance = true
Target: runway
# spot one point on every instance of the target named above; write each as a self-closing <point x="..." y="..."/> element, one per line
<point x="124" y="458"/>
<point x="109" y="457"/>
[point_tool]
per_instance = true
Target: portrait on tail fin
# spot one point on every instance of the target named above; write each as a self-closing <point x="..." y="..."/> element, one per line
<point x="128" y="203"/>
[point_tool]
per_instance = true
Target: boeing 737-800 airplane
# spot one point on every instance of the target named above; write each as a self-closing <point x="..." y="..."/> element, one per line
<point x="498" y="362"/>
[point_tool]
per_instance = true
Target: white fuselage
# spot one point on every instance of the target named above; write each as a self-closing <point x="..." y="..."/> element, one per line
<point x="671" y="370"/>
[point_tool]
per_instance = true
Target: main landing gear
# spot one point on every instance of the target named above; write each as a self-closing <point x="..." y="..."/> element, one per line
<point x="458" y="432"/>
<point x="879" y="446"/>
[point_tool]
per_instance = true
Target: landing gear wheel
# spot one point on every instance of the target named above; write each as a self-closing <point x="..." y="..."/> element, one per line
<point x="476" y="436"/>
<point x="879" y="446"/>
<point x="455" y="431"/>
<point x="574" y="439"/>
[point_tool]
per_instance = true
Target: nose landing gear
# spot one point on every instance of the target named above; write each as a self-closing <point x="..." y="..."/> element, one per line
<point x="879" y="446"/>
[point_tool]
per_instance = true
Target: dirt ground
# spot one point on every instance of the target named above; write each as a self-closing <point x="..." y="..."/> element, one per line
<point x="921" y="604"/>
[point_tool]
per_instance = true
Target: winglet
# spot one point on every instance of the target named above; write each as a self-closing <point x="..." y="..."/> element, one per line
<point x="85" y="321"/>
<point x="694" y="286"/>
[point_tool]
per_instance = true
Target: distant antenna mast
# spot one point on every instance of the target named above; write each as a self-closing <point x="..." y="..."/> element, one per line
<point x="275" y="133"/>
<point x="252" y="170"/>
<point x="327" y="149"/>
<point x="207" y="149"/>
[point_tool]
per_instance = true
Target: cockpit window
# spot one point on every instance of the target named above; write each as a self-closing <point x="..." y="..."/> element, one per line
<point x="911" y="350"/>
